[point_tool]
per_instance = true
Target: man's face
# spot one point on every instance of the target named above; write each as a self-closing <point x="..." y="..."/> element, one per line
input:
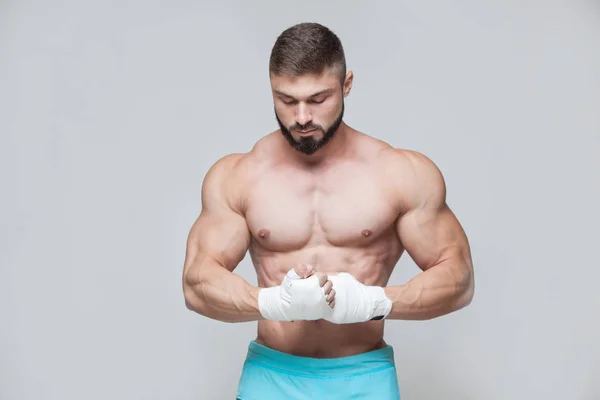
<point x="309" y="108"/>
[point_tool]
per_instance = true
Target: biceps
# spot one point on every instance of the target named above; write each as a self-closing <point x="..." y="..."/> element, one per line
<point x="431" y="235"/>
<point x="223" y="237"/>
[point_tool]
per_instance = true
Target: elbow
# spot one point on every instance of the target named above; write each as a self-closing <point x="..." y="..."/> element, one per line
<point x="466" y="298"/>
<point x="460" y="301"/>
<point x="195" y="303"/>
<point x="192" y="298"/>
<point x="190" y="302"/>
<point x="467" y="291"/>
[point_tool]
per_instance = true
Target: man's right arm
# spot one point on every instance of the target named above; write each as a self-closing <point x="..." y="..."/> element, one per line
<point x="217" y="242"/>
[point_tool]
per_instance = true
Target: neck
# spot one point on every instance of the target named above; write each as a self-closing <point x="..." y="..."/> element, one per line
<point x="335" y="147"/>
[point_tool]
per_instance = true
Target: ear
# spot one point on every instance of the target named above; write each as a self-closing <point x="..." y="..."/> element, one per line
<point x="348" y="83"/>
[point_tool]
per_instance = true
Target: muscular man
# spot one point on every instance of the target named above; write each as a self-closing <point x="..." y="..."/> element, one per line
<point x="325" y="212"/>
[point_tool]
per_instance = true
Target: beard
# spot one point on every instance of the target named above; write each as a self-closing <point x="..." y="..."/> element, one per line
<point x="309" y="145"/>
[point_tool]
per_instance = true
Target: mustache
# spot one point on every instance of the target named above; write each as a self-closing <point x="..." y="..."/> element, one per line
<point x="307" y="127"/>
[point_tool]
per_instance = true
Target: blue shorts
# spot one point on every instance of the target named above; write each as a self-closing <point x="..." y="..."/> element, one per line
<point x="268" y="374"/>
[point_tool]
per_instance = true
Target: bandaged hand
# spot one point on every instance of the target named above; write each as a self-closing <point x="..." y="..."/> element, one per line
<point x="355" y="302"/>
<point x="297" y="298"/>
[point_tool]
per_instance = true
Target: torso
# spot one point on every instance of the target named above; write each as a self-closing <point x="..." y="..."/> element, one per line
<point x="338" y="218"/>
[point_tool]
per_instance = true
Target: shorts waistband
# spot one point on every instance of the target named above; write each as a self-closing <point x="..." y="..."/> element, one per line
<point x="351" y="365"/>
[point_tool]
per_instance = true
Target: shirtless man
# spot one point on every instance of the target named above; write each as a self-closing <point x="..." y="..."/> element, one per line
<point x="325" y="212"/>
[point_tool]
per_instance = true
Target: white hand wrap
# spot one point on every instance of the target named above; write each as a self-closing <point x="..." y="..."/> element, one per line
<point x="355" y="302"/>
<point x="295" y="299"/>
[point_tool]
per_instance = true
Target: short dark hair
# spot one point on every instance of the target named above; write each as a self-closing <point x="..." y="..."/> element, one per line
<point x="307" y="48"/>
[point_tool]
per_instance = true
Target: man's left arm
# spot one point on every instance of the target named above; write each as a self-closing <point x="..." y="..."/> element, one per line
<point x="432" y="236"/>
<point x="437" y="243"/>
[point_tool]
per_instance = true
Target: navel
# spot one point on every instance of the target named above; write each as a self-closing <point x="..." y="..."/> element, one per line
<point x="367" y="233"/>
<point x="263" y="233"/>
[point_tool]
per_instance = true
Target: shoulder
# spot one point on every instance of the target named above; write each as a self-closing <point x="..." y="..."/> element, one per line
<point x="224" y="169"/>
<point x="232" y="167"/>
<point x="413" y="176"/>
<point x="220" y="181"/>
<point x="230" y="177"/>
<point x="410" y="162"/>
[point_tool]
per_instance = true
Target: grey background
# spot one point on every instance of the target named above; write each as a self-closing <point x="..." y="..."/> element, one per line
<point x="111" y="112"/>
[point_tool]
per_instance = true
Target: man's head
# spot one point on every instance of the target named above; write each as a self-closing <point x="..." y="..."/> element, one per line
<point x="309" y="82"/>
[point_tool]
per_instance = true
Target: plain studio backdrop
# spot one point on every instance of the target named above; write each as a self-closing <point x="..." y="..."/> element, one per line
<point x="111" y="112"/>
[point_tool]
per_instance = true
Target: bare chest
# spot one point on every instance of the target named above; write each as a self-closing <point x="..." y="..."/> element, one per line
<point x="289" y="210"/>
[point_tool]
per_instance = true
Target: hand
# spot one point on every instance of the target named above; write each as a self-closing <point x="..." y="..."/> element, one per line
<point x="301" y="296"/>
<point x="356" y="302"/>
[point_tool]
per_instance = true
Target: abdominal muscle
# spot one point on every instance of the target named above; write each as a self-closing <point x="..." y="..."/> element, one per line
<point x="371" y="265"/>
<point x="321" y="339"/>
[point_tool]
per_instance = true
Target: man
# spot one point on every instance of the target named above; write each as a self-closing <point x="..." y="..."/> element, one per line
<point x="325" y="212"/>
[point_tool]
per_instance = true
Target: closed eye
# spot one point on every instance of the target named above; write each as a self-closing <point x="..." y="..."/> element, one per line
<point x="292" y="102"/>
<point x="319" y="99"/>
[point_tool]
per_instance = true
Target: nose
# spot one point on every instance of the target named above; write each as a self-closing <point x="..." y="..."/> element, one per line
<point x="303" y="114"/>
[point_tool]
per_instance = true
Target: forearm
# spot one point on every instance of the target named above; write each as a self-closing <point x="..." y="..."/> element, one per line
<point x="217" y="293"/>
<point x="440" y="290"/>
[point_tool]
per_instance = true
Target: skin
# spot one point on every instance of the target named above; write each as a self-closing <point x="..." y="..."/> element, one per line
<point x="355" y="205"/>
